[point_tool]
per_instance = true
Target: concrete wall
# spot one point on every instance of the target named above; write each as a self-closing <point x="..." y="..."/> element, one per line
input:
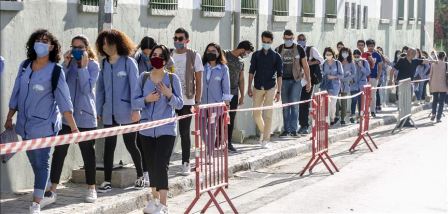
<point x="64" y="19"/>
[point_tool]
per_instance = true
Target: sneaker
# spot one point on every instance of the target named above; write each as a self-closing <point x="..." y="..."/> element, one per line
<point x="264" y="144"/>
<point x="151" y="207"/>
<point x="342" y="123"/>
<point x="161" y="209"/>
<point x="334" y="121"/>
<point x="105" y="187"/>
<point x="439" y="120"/>
<point x="293" y="134"/>
<point x="433" y="117"/>
<point x="139" y="183"/>
<point x="305" y="131"/>
<point x="352" y="120"/>
<point x="373" y="114"/>
<point x="91" y="196"/>
<point x="35" y="208"/>
<point x="185" y="169"/>
<point x="284" y="134"/>
<point x="232" y="149"/>
<point x="49" y="198"/>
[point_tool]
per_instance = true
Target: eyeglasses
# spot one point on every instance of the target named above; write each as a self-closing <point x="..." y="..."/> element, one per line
<point x="180" y="39"/>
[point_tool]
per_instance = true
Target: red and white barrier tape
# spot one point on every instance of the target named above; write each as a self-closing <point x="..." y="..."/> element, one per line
<point x="39" y="143"/>
<point x="346" y="97"/>
<point x="385" y="87"/>
<point x="422" y="80"/>
<point x="271" y="107"/>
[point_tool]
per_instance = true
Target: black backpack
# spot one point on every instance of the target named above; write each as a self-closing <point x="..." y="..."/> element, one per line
<point x="54" y="75"/>
<point x="315" y="71"/>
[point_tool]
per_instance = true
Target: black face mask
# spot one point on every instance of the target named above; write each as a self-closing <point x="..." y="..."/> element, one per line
<point x="211" y="57"/>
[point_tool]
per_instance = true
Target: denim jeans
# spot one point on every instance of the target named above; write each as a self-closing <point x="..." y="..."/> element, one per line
<point x="291" y="90"/>
<point x="39" y="160"/>
<point x="419" y="90"/>
<point x="439" y="98"/>
<point x="355" y="101"/>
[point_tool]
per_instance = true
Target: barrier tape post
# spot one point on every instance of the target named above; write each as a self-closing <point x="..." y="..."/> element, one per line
<point x="404" y="104"/>
<point x="364" y="120"/>
<point x="211" y="155"/>
<point x="319" y="136"/>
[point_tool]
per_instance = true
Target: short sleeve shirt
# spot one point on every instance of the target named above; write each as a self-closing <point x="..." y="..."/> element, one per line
<point x="236" y="66"/>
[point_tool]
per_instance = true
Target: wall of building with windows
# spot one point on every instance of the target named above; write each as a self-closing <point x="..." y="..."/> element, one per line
<point x="392" y="23"/>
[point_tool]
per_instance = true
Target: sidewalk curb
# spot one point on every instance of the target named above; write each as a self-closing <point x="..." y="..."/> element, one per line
<point x="134" y="200"/>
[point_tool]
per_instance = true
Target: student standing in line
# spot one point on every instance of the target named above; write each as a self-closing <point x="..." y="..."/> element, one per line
<point x="81" y="71"/>
<point x="333" y="73"/>
<point x="357" y="82"/>
<point x="115" y="107"/>
<point x="39" y="95"/>
<point x="375" y="72"/>
<point x="349" y="68"/>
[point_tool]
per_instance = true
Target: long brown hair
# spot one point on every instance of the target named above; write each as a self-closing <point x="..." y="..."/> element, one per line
<point x="221" y="59"/>
<point x="125" y="46"/>
<point x="86" y="42"/>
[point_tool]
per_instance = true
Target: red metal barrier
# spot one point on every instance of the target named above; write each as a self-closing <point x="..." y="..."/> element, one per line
<point x="364" y="119"/>
<point x="211" y="155"/>
<point x="319" y="131"/>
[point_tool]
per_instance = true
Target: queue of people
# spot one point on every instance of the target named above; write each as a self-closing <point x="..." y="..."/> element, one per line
<point x="149" y="82"/>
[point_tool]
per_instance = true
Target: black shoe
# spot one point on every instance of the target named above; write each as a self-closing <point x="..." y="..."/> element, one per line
<point x="378" y="108"/>
<point x="439" y="120"/>
<point x="342" y="123"/>
<point x="232" y="149"/>
<point x="293" y="134"/>
<point x="433" y="117"/>
<point x="352" y="120"/>
<point x="335" y="121"/>
<point x="105" y="187"/>
<point x="285" y="134"/>
<point x="373" y="114"/>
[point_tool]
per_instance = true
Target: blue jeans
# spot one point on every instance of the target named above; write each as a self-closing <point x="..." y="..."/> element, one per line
<point x="437" y="104"/>
<point x="419" y="90"/>
<point x="39" y="160"/>
<point x="291" y="90"/>
<point x="355" y="100"/>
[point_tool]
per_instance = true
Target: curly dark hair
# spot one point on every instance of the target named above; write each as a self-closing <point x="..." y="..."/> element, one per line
<point x="125" y="46"/>
<point x="349" y="58"/>
<point x="221" y="59"/>
<point x="165" y="52"/>
<point x="54" y="55"/>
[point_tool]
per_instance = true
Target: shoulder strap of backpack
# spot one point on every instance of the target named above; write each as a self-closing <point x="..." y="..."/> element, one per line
<point x="139" y="59"/>
<point x="25" y="64"/>
<point x="55" y="77"/>
<point x="144" y="78"/>
<point x="170" y="75"/>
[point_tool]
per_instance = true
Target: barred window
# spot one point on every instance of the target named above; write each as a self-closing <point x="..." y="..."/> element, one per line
<point x="308" y="8"/>
<point x="347" y="15"/>
<point x="353" y="15"/>
<point x="400" y="10"/>
<point x="358" y="17"/>
<point x="330" y="9"/>
<point x="420" y="12"/>
<point x="249" y="7"/>
<point x="365" y="19"/>
<point x="281" y="8"/>
<point x="95" y="2"/>
<point x="387" y="7"/>
<point x="213" y="5"/>
<point x="163" y="4"/>
<point x="411" y="7"/>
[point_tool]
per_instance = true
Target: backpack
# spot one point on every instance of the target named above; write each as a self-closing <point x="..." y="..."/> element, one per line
<point x="146" y="77"/>
<point x="54" y="75"/>
<point x="316" y="73"/>
<point x="326" y="84"/>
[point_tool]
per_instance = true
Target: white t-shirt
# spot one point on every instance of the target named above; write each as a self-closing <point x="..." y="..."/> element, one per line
<point x="180" y="64"/>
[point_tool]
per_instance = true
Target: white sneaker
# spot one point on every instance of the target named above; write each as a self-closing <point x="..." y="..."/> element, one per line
<point x="161" y="209"/>
<point x="91" y="196"/>
<point x="146" y="178"/>
<point x="139" y="183"/>
<point x="35" y="208"/>
<point x="151" y="207"/>
<point x="49" y="198"/>
<point x="105" y="187"/>
<point x="185" y="169"/>
<point x="265" y="144"/>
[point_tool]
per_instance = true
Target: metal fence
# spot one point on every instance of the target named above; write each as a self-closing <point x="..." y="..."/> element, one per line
<point x="404" y="104"/>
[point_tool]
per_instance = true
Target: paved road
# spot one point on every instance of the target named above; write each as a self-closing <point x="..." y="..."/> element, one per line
<point x="408" y="174"/>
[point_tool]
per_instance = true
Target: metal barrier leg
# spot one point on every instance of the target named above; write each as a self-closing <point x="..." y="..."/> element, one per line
<point x="307" y="165"/>
<point x="331" y="161"/>
<point x="212" y="199"/>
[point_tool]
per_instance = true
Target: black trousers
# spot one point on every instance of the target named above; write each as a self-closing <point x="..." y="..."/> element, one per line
<point x="139" y="145"/>
<point x="184" y="130"/>
<point x="157" y="156"/>
<point x="233" y="105"/>
<point x="88" y="156"/>
<point x="109" y="150"/>
<point x="304" y="108"/>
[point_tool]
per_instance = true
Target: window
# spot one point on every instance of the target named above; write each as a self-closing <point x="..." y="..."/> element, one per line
<point x="249" y="7"/>
<point x="400" y="10"/>
<point x="213" y="5"/>
<point x="11" y="5"/>
<point x="420" y="10"/>
<point x="347" y="15"/>
<point x="281" y="8"/>
<point x="95" y="2"/>
<point x="387" y="9"/>
<point x="365" y="19"/>
<point x="308" y="8"/>
<point x="358" y="17"/>
<point x="330" y="9"/>
<point x="411" y="6"/>
<point x="353" y="15"/>
<point x="163" y="4"/>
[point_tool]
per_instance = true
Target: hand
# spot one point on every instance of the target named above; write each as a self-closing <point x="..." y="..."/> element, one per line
<point x="249" y="92"/>
<point x="135" y="116"/>
<point x="241" y="101"/>
<point x="277" y="97"/>
<point x="310" y="62"/>
<point x="308" y="87"/>
<point x="67" y="57"/>
<point x="227" y="103"/>
<point x="360" y="63"/>
<point x="84" y="60"/>
<point x="153" y="97"/>
<point x="166" y="91"/>
<point x="8" y="123"/>
<point x="331" y="77"/>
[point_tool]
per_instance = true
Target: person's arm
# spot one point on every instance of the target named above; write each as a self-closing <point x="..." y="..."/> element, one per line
<point x="225" y="85"/>
<point x="252" y="70"/>
<point x="279" y="69"/>
<point x="199" y="68"/>
<point x="241" y="87"/>
<point x="132" y="77"/>
<point x="340" y="74"/>
<point x="176" y="100"/>
<point x="316" y="55"/>
<point x="306" y="71"/>
<point x="249" y="86"/>
<point x="88" y="76"/>
<point x="64" y="102"/>
<point x="100" y="94"/>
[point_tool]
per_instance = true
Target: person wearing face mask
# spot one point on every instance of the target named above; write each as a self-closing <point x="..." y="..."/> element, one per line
<point x="357" y="82"/>
<point x="39" y="95"/>
<point x="375" y="72"/>
<point x="349" y="68"/>
<point x="114" y="103"/>
<point x="266" y="70"/>
<point x="142" y="57"/>
<point x="158" y="93"/>
<point x="420" y="73"/>
<point x="188" y="66"/>
<point x="333" y="73"/>
<point x="216" y="83"/>
<point x="236" y="72"/>
<point x="295" y="66"/>
<point x="81" y="70"/>
<point x="339" y="46"/>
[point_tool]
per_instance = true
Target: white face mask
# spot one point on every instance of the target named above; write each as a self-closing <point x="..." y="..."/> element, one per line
<point x="344" y="55"/>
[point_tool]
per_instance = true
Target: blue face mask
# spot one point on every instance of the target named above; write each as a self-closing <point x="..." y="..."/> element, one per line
<point x="77" y="53"/>
<point x="266" y="46"/>
<point x="179" y="45"/>
<point x="41" y="49"/>
<point x="302" y="43"/>
<point x="289" y="42"/>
